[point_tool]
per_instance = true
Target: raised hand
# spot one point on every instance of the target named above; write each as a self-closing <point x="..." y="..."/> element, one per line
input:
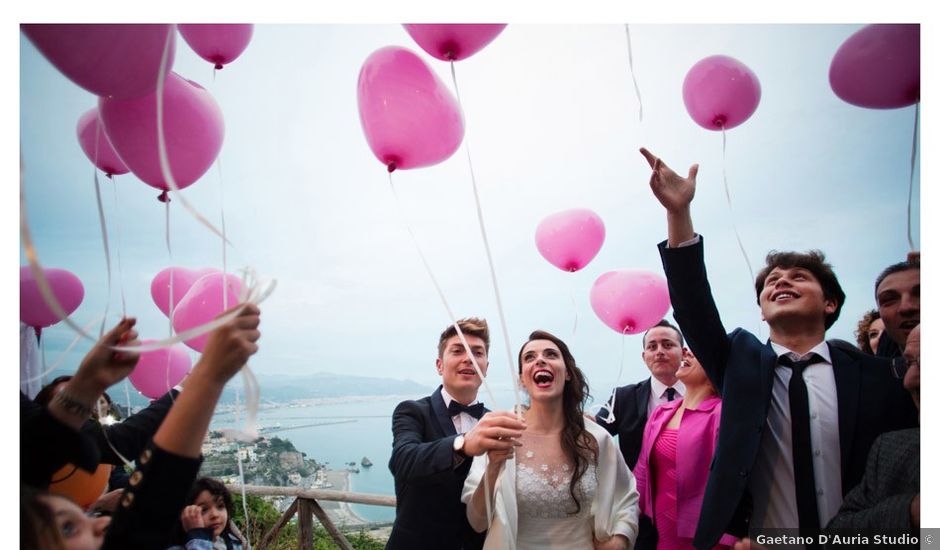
<point x="230" y="345"/>
<point x="102" y="367"/>
<point x="496" y="431"/>
<point x="191" y="518"/>
<point x="674" y="192"/>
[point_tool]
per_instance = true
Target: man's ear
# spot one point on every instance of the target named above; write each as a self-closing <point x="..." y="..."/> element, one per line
<point x="440" y="366"/>
<point x="831" y="306"/>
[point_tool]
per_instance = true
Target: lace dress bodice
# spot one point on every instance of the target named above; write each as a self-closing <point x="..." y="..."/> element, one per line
<point x="547" y="517"/>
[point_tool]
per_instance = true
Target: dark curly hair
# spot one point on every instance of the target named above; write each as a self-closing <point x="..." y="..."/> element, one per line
<point x="813" y="261"/>
<point x="861" y="332"/>
<point x="576" y="442"/>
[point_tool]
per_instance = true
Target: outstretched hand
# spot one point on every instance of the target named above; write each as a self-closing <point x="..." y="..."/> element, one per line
<point x="103" y="367"/>
<point x="673" y="191"/>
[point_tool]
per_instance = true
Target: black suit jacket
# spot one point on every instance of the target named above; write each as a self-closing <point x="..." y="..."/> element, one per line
<point x="428" y="513"/>
<point x="630" y="416"/>
<point x="870" y="400"/>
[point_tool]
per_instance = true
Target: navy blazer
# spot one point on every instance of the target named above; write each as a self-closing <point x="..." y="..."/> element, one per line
<point x="630" y="416"/>
<point x="870" y="400"/>
<point x="428" y="510"/>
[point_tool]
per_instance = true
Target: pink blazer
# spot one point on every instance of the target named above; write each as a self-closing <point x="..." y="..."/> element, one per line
<point x="698" y="435"/>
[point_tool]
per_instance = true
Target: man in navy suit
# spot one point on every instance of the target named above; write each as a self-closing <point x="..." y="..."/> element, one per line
<point x="435" y="439"/>
<point x="798" y="416"/>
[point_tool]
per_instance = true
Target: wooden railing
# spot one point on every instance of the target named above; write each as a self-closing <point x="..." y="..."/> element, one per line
<point x="305" y="505"/>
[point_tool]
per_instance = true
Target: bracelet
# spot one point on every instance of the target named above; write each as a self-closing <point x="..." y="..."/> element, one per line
<point x="72" y="405"/>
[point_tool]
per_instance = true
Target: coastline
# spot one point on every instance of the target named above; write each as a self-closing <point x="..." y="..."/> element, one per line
<point x="341" y="512"/>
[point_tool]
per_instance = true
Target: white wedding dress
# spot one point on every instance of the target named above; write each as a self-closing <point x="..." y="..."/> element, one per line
<point x="547" y="517"/>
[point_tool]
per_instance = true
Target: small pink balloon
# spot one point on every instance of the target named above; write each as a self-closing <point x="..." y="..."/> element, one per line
<point x="158" y="371"/>
<point x="193" y="128"/>
<point x="183" y="280"/>
<point x="218" y="44"/>
<point x="203" y="303"/>
<point x="101" y="154"/>
<point x="120" y="61"/>
<point x="410" y="118"/>
<point x="66" y="287"/>
<point x="720" y="92"/>
<point x="453" y="42"/>
<point x="570" y="239"/>
<point x="630" y="301"/>
<point x="878" y="67"/>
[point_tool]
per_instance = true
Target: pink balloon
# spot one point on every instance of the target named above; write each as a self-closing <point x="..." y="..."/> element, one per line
<point x="878" y="67"/>
<point x="158" y="371"/>
<point x="453" y="42"/>
<point x="203" y="303"/>
<point x="570" y="239"/>
<point x="410" y="118"/>
<point x="218" y="44"/>
<point x="720" y="92"/>
<point x="101" y="154"/>
<point x="193" y="128"/>
<point x="120" y="61"/>
<point x="630" y="301"/>
<point x="66" y="287"/>
<point x="183" y="280"/>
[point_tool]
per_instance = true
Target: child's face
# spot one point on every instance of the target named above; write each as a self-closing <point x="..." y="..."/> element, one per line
<point x="214" y="514"/>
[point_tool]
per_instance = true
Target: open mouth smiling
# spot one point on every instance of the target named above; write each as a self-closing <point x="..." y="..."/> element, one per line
<point x="784" y="295"/>
<point x="543" y="378"/>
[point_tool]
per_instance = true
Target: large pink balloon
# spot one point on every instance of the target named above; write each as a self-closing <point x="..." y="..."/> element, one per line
<point x="193" y="128"/>
<point x="453" y="42"/>
<point x="410" y="118"/>
<point x="101" y="154"/>
<point x="120" y="61"/>
<point x="203" y="303"/>
<point x="66" y="287"/>
<point x="158" y="371"/>
<point x="218" y="44"/>
<point x="720" y="92"/>
<point x="630" y="301"/>
<point x="570" y="239"/>
<point x="878" y="67"/>
<point x="183" y="280"/>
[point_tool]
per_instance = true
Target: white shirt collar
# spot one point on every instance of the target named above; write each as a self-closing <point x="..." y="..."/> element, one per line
<point x="821" y="348"/>
<point x="448" y="398"/>
<point x="657" y="388"/>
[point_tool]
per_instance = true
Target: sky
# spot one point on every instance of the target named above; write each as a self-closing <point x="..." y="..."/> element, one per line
<point x="552" y="123"/>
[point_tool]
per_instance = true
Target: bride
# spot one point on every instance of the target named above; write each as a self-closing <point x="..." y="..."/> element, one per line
<point x="567" y="485"/>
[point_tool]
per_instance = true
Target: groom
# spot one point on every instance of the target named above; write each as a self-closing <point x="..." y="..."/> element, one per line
<point x="435" y="440"/>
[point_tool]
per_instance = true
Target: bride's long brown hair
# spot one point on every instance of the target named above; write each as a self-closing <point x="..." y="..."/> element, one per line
<point x="577" y="444"/>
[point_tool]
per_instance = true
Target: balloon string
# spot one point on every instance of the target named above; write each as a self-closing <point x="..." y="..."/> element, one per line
<point x="513" y="375"/>
<point x="574" y="308"/>
<point x="241" y="470"/>
<point x="636" y="87"/>
<point x="127" y="395"/>
<point x="47" y="370"/>
<point x="440" y="293"/>
<point x="169" y="252"/>
<point x="910" y="190"/>
<point x="117" y="234"/>
<point x="107" y="251"/>
<point x="218" y="163"/>
<point x="161" y="140"/>
<point x="734" y="225"/>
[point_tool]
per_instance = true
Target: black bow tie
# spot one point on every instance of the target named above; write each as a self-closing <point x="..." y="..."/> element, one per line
<point x="455" y="408"/>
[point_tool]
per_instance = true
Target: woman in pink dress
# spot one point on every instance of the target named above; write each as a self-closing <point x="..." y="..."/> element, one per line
<point x="678" y="443"/>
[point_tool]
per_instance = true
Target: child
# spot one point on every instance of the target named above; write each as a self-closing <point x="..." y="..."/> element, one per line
<point x="206" y="520"/>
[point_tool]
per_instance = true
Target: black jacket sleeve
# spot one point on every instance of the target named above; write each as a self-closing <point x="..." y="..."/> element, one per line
<point x="413" y="459"/>
<point x="131" y="436"/>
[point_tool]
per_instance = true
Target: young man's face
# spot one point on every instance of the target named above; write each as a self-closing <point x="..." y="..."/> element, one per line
<point x="455" y="367"/>
<point x="898" y="298"/>
<point x="662" y="353"/>
<point x="793" y="293"/>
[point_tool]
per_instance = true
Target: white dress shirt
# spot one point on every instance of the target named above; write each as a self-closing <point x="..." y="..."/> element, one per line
<point x="772" y="483"/>
<point x="658" y="394"/>
<point x="463" y="422"/>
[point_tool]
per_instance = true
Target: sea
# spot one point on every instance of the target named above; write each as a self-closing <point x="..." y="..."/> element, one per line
<point x="345" y="430"/>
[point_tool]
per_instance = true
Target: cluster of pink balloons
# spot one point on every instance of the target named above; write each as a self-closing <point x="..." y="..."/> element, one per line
<point x="66" y="287"/>
<point x="197" y="297"/>
<point x="409" y="117"/>
<point x="122" y="65"/>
